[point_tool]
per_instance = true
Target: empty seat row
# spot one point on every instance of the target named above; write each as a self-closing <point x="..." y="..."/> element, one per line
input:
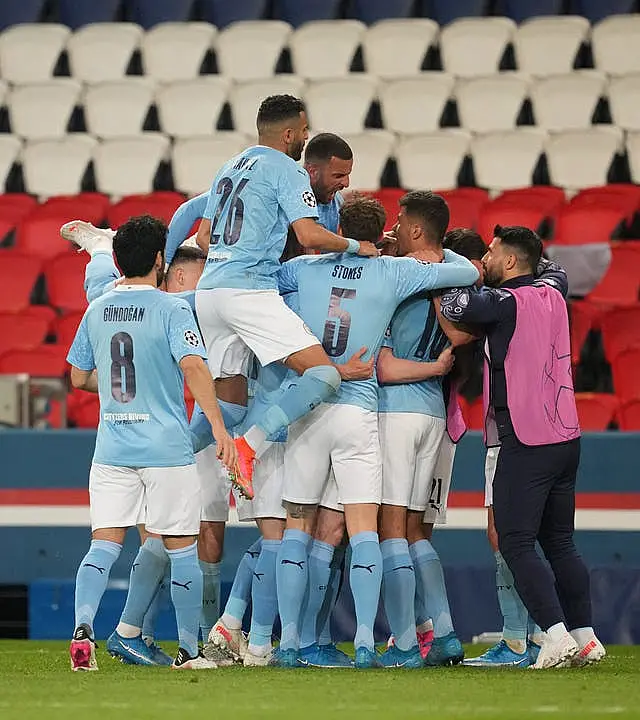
<point x="250" y="50"/>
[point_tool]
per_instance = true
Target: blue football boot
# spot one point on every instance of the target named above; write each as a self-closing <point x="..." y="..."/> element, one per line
<point x="366" y="659"/>
<point x="131" y="651"/>
<point x="327" y="656"/>
<point x="500" y="655"/>
<point x="446" y="650"/>
<point x="534" y="650"/>
<point x="285" y="659"/>
<point x="407" y="659"/>
<point x="159" y="655"/>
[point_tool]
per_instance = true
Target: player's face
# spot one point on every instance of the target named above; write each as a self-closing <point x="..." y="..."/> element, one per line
<point x="403" y="229"/>
<point x="298" y="136"/>
<point x="494" y="263"/>
<point x="477" y="264"/>
<point x="329" y="178"/>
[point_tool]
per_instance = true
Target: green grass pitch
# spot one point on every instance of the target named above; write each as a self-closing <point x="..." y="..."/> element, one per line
<point x="36" y="682"/>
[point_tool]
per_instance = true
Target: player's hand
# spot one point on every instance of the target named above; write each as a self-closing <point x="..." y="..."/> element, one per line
<point x="444" y="364"/>
<point x="368" y="249"/>
<point x="225" y="447"/>
<point x="356" y="368"/>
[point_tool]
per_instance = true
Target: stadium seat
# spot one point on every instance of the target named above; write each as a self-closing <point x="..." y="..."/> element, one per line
<point x="521" y="10"/>
<point x="250" y="50"/>
<point x="397" y="48"/>
<point x="596" y="411"/>
<point x="583" y="224"/>
<point x="616" y="44"/>
<point x="353" y="95"/>
<point x="175" y="51"/>
<point x="624" y="100"/>
<point x="474" y="46"/>
<point x="222" y="12"/>
<point x="102" y="52"/>
<point x="629" y="416"/>
<point x="24" y="11"/>
<point x="39" y="235"/>
<point x="126" y="166"/>
<point x="620" y="329"/>
<point x="18" y="275"/>
<point x="626" y="378"/>
<point x="57" y="167"/>
<point x="633" y="152"/>
<point x="415" y="105"/>
<point x="622" y="197"/>
<point x="65" y="327"/>
<point x="583" y="317"/>
<point x="45" y="361"/>
<point x="567" y="102"/>
<point x="372" y="11"/>
<point x="621" y="283"/>
<point x="43" y="312"/>
<point x="546" y="197"/>
<point x="196" y="161"/>
<point x="64" y="277"/>
<point x="4" y="91"/>
<point x="446" y="11"/>
<point x="549" y="45"/>
<point x="596" y="10"/>
<point x="85" y="411"/>
<point x="42" y="111"/>
<point x="499" y="213"/>
<point x="371" y="150"/>
<point x="29" y="53"/>
<point x="432" y="161"/>
<point x="21" y="331"/>
<point x="464" y="206"/>
<point x="158" y="204"/>
<point x="389" y="198"/>
<point x="296" y="13"/>
<point x="582" y="158"/>
<point x="89" y="206"/>
<point x="245" y="98"/>
<point x="506" y="160"/>
<point x="506" y="91"/>
<point x="325" y="48"/>
<point x="13" y="207"/>
<point x="191" y="108"/>
<point x="118" y="108"/>
<point x="10" y="147"/>
<point x="148" y="13"/>
<point x="76" y="13"/>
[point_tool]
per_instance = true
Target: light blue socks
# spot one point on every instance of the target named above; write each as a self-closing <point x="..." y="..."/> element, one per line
<point x="292" y="574"/>
<point x="210" y="597"/>
<point x="264" y="598"/>
<point x="320" y="558"/>
<point x="186" y="594"/>
<point x="430" y="580"/>
<point x="241" y="589"/>
<point x="92" y="578"/>
<point x="398" y="592"/>
<point x="365" y="576"/>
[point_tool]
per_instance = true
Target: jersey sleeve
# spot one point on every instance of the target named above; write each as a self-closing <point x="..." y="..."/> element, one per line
<point x="182" y="221"/>
<point x="479" y="307"/>
<point x="295" y="195"/>
<point x="80" y="353"/>
<point x="413" y="276"/>
<point x="184" y="336"/>
<point x="288" y="277"/>
<point x="552" y="274"/>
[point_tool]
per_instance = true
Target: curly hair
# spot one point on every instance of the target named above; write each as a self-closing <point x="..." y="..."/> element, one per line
<point x="276" y="109"/>
<point x="362" y="218"/>
<point x="137" y="243"/>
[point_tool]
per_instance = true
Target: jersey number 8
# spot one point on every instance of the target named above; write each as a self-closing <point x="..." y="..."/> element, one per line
<point x="123" y="372"/>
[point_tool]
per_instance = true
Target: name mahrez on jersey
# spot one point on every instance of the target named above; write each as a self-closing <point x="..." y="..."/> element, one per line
<point x="245" y="163"/>
<point x="114" y="313"/>
<point x="347" y="273"/>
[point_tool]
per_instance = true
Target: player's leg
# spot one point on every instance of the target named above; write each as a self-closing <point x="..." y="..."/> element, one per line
<point x="101" y="271"/>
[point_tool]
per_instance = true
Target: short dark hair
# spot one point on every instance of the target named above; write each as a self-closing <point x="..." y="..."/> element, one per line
<point x="465" y="242"/>
<point x="525" y="243"/>
<point x="430" y="209"/>
<point x="276" y="109"/>
<point x="324" y="146"/>
<point x="362" y="218"/>
<point x="137" y="243"/>
<point x="187" y="254"/>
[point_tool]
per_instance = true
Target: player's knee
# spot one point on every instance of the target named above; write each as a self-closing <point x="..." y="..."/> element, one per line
<point x="299" y="511"/>
<point x="327" y="379"/>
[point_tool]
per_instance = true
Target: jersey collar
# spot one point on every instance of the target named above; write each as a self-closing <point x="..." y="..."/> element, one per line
<point x="129" y="288"/>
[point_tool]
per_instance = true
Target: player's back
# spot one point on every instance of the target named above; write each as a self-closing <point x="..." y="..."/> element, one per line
<point x="143" y="416"/>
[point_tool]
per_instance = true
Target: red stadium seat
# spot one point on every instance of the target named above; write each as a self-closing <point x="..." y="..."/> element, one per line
<point x="583" y="317"/>
<point x="21" y="331"/>
<point x="583" y="224"/>
<point x="544" y="197"/>
<point x="13" y="208"/>
<point x="64" y="276"/>
<point x="389" y="198"/>
<point x="626" y="378"/>
<point x="620" y="330"/>
<point x="596" y="411"/>
<point x="39" y="235"/>
<point x="18" y="275"/>
<point x="625" y="198"/>
<point x="45" y="361"/>
<point x="43" y="312"/>
<point x="158" y="204"/>
<point x="464" y="206"/>
<point x="499" y="213"/>
<point x="88" y="206"/>
<point x="66" y="326"/>
<point x="629" y="415"/>
<point x="621" y="283"/>
<point x="83" y="409"/>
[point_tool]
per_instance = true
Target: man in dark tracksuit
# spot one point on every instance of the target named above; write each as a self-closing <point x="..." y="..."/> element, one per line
<point x="530" y="413"/>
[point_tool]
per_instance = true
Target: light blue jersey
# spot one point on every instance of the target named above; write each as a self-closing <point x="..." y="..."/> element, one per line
<point x="253" y="200"/>
<point x="329" y="213"/>
<point x="414" y="334"/>
<point x="135" y="336"/>
<point x="348" y="302"/>
<point x="182" y="221"/>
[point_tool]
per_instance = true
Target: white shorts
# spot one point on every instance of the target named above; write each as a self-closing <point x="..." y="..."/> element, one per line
<point x="410" y="445"/>
<point x="490" y="463"/>
<point x="436" y="512"/>
<point x="268" y="479"/>
<point x="339" y="437"/>
<point x="235" y="323"/>
<point x="215" y="486"/>
<point x="117" y="496"/>
<point x="330" y="497"/>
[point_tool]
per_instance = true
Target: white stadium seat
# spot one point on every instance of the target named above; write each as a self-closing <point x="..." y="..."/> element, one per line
<point x="474" y="46"/>
<point x="193" y="107"/>
<point x="415" y="105"/>
<point x="102" y="51"/>
<point x="196" y="161"/>
<point x="581" y="158"/>
<point x="127" y="166"/>
<point x="396" y="48"/>
<point x="633" y="150"/>
<point x="432" y="161"/>
<point x="250" y="50"/>
<point x="616" y="44"/>
<point x="4" y="90"/>
<point x="340" y="105"/>
<point x="10" y="147"/>
<point x="371" y="150"/>
<point x="491" y="103"/>
<point x="567" y="102"/>
<point x="245" y="98"/>
<point x="56" y="167"/>
<point x="119" y="108"/>
<point x="549" y="45"/>
<point x="506" y="160"/>
<point x="29" y="53"/>
<point x="624" y="101"/>
<point x="43" y="111"/>
<point x="325" y="48"/>
<point x="175" y="51"/>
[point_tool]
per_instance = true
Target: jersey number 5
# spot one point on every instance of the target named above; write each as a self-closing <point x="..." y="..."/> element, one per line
<point x="235" y="216"/>
<point x="123" y="372"/>
<point x="335" y="344"/>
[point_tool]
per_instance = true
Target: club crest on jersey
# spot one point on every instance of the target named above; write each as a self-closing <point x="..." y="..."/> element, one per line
<point x="191" y="338"/>
<point x="309" y="198"/>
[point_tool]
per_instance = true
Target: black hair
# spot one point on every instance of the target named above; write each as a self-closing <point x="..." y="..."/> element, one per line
<point x="362" y="218"/>
<point x="525" y="243"/>
<point x="465" y="242"/>
<point x="187" y="254"/>
<point x="137" y="243"/>
<point x="324" y="146"/>
<point x="276" y="109"/>
<point x="430" y="209"/>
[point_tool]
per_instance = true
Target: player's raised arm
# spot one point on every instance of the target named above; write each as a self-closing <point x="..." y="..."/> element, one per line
<point x="312" y="235"/>
<point x="393" y="370"/>
<point x="182" y="221"/>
